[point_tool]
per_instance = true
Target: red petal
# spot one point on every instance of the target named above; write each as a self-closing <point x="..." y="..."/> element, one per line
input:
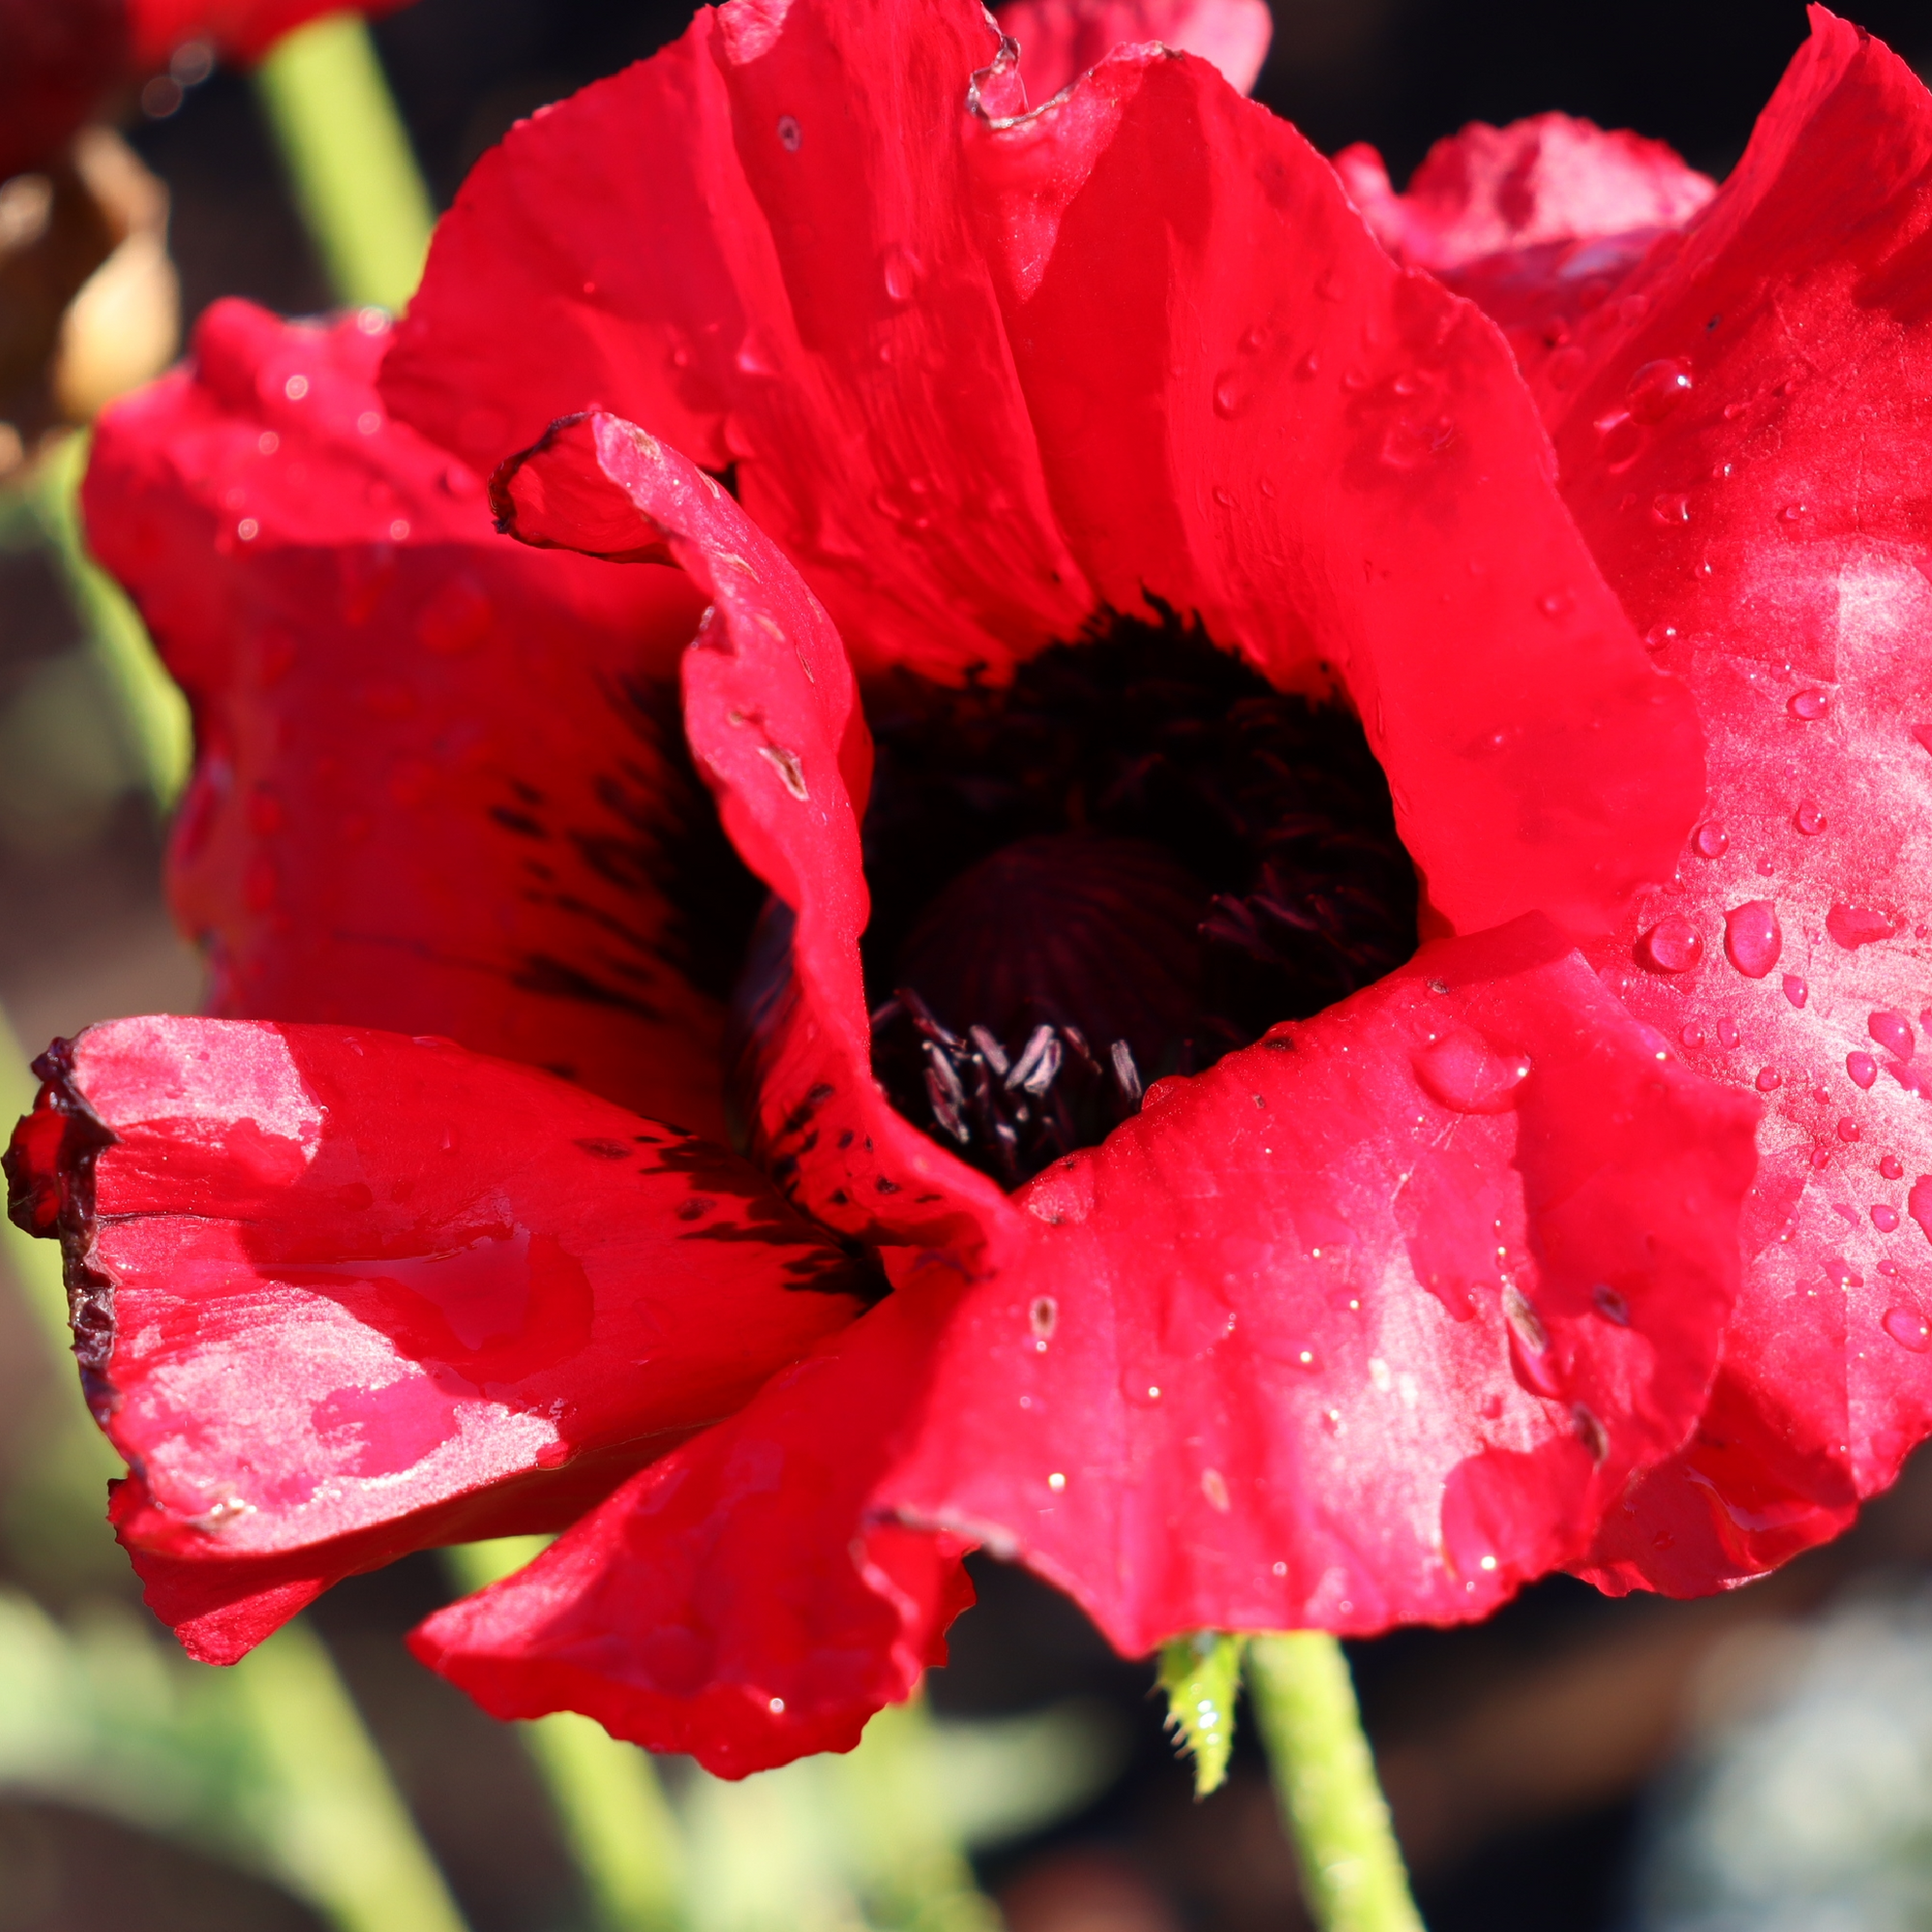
<point x="773" y="718"/>
<point x="241" y="29"/>
<point x="60" y="62"/>
<point x="346" y="1294"/>
<point x="733" y="1601"/>
<point x="1352" y="484"/>
<point x="758" y="243"/>
<point x="1536" y="222"/>
<point x="382" y="828"/>
<point x="1367" y="1325"/>
<point x="1060" y="40"/>
<point x="1748" y="457"/>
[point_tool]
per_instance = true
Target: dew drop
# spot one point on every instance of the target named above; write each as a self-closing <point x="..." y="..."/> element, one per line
<point x="1556" y="604"/>
<point x="1564" y="367"/>
<point x="1728" y="1036"/>
<point x="1692" y="1037"/>
<point x="1796" y="990"/>
<point x="1611" y="1305"/>
<point x="1659" y="637"/>
<point x="1711" y="841"/>
<point x="1529" y="1344"/>
<point x="1469" y="1076"/>
<point x="900" y="275"/>
<point x="1673" y="944"/>
<point x="1228" y="394"/>
<point x="1849" y="1130"/>
<point x="1908" y="1329"/>
<point x="791" y="137"/>
<point x="1670" y="508"/>
<point x="1809" y="705"/>
<point x="1809" y="818"/>
<point x="1863" y="1068"/>
<point x="1891" y="1167"/>
<point x="1893" y="1032"/>
<point x="1658" y="387"/>
<point x="1769" y="1080"/>
<point x="1753" y="938"/>
<point x="1885" y="1219"/>
<point x="1794" y="513"/>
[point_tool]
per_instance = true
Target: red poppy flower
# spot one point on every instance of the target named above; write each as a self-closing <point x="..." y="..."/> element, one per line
<point x="61" y="59"/>
<point x="1047" y="478"/>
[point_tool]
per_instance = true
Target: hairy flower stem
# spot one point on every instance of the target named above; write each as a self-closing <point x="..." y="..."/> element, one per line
<point x="1324" y="1777"/>
<point x="610" y="1804"/>
<point x="350" y="162"/>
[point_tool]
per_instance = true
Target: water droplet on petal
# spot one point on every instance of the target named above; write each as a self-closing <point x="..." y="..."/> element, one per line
<point x="1466" y="1073"/>
<point x="1809" y="705"/>
<point x="1673" y="944"/>
<point x="1885" y="1219"/>
<point x="1658" y="387"/>
<point x="1711" y="841"/>
<point x="1796" y="990"/>
<point x="1528" y="1345"/>
<point x="1692" y="1037"/>
<point x="1893" y="1032"/>
<point x="1753" y="938"/>
<point x="1908" y="1329"/>
<point x="1852" y="926"/>
<point x="1849" y="1130"/>
<point x="1229" y="394"/>
<point x="1671" y="508"/>
<point x="1728" y="1036"/>
<point x="1809" y="818"/>
<point x="1794" y="513"/>
<point x="1863" y="1068"/>
<point x="1659" y="637"/>
<point x="791" y="137"/>
<point x="1769" y="1080"/>
<point x="901" y="272"/>
<point x="1891" y="1167"/>
<point x="1611" y="1305"/>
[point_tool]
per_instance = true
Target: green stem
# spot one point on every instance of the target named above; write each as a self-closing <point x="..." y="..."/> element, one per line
<point x="355" y="175"/>
<point x="341" y="1835"/>
<point x="153" y="712"/>
<point x="608" y="1802"/>
<point x="1324" y="1778"/>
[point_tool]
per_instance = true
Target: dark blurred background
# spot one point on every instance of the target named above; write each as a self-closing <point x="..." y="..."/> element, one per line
<point x="1523" y="1758"/>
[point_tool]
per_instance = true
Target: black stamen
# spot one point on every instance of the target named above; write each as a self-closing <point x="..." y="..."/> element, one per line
<point x="1138" y="843"/>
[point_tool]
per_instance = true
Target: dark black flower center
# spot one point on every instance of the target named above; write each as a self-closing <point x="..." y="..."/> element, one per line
<point x="1136" y="858"/>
